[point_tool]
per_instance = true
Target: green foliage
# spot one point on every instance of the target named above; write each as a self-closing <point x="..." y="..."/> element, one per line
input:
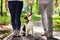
<point x="0" y="6"/>
<point x="56" y="18"/>
<point x="56" y="23"/>
<point x="22" y="18"/>
<point x="35" y="7"/>
<point x="35" y="18"/>
<point x="4" y="20"/>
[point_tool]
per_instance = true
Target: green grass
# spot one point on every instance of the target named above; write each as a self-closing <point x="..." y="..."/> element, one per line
<point x="4" y="20"/>
<point x="56" y="23"/>
<point x="35" y="18"/>
<point x="56" y="17"/>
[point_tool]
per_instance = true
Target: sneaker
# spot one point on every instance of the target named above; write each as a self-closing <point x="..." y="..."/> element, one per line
<point x="9" y="37"/>
<point x="44" y="34"/>
<point x="17" y="34"/>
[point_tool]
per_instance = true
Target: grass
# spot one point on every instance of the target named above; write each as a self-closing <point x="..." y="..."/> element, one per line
<point x="4" y="20"/>
<point x="56" y="22"/>
<point x="35" y="18"/>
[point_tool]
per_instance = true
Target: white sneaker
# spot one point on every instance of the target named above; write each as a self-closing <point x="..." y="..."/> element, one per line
<point x="17" y="33"/>
<point x="9" y="37"/>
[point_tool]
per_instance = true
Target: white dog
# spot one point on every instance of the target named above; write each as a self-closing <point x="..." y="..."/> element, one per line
<point x="28" y="27"/>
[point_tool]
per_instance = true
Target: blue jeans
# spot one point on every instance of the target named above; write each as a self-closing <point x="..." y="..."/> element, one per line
<point x="15" y="8"/>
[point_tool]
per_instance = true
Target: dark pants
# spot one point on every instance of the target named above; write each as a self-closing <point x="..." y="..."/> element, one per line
<point x="15" y="8"/>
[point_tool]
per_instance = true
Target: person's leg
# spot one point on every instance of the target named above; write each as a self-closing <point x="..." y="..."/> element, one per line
<point x="49" y="10"/>
<point x="11" y="6"/>
<point x="19" y="6"/>
<point x="44" y="17"/>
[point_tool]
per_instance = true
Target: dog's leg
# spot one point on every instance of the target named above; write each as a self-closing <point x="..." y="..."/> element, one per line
<point x="21" y="31"/>
<point x="32" y="29"/>
<point x="26" y="31"/>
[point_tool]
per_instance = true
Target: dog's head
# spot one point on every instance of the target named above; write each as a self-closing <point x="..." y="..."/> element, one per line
<point x="28" y="17"/>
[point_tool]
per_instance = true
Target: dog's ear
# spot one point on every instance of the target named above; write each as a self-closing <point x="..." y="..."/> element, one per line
<point x="28" y="15"/>
<point x="25" y="17"/>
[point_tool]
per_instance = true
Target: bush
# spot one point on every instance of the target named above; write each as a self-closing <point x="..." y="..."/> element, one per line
<point x="4" y="20"/>
<point x="56" y="23"/>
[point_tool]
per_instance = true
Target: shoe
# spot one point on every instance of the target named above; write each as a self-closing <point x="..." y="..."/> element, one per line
<point x="17" y="33"/>
<point x="52" y="38"/>
<point x="43" y="34"/>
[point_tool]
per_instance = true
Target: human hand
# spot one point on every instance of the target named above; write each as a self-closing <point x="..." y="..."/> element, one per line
<point x="56" y="3"/>
<point x="31" y="3"/>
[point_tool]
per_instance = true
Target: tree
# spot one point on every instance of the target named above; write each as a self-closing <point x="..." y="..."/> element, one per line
<point x="1" y="12"/>
<point x="35" y="6"/>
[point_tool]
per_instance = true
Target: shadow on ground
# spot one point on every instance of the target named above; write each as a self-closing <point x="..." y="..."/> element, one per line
<point x="35" y="36"/>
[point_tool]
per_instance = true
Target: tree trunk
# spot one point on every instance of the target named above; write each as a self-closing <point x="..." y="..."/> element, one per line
<point x="1" y="13"/>
<point x="59" y="11"/>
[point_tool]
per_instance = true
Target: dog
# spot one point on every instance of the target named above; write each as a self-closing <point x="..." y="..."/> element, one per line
<point x="28" y="27"/>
